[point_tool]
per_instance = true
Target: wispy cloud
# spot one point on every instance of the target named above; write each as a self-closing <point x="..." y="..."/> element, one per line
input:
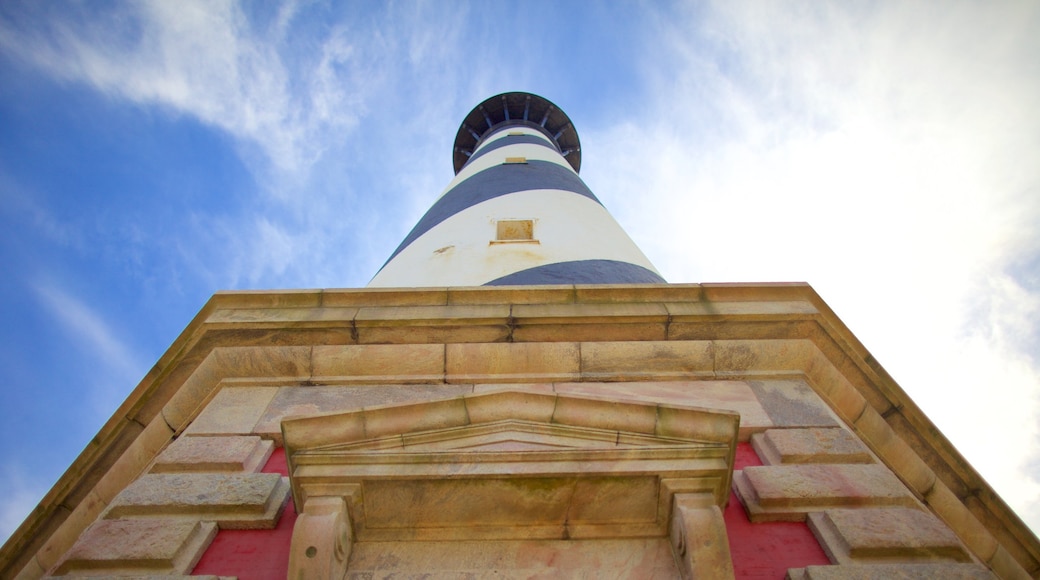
<point x="210" y="61"/>
<point x="118" y="368"/>
<point x="20" y="497"/>
<point x="293" y="88"/>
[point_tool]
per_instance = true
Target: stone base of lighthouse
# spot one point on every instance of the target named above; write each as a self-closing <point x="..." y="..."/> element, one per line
<point x="641" y="431"/>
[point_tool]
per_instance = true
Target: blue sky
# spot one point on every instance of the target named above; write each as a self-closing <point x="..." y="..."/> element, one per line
<point x="152" y="153"/>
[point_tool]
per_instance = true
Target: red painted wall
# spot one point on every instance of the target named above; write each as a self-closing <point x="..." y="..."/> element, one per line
<point x="760" y="551"/>
<point x="765" y="551"/>
<point x="253" y="554"/>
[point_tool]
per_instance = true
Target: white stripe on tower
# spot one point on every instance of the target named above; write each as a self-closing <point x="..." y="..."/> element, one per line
<point x="516" y="212"/>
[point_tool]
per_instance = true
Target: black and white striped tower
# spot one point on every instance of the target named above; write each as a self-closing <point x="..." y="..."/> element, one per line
<point x="516" y="212"/>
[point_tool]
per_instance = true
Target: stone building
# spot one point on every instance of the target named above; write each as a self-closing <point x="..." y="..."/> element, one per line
<point x="518" y="393"/>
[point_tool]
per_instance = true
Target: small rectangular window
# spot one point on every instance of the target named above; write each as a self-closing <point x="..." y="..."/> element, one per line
<point x="516" y="133"/>
<point x="516" y="160"/>
<point x="514" y="230"/>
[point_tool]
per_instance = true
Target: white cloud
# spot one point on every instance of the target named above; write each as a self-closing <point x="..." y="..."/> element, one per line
<point x="883" y="153"/>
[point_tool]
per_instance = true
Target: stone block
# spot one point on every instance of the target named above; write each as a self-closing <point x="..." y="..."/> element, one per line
<point x="239" y="500"/>
<point x="589" y="322"/>
<point x="814" y="445"/>
<point x="745" y="358"/>
<point x="841" y="395"/>
<point x="875" y="534"/>
<point x="268" y="298"/>
<point x="59" y="541"/>
<point x="218" y="453"/>
<point x="788" y="492"/>
<point x="750" y="310"/>
<point x="380" y="363"/>
<point x="894" y="451"/>
<point x="433" y="324"/>
<point x="513" y="362"/>
<point x="647" y="360"/>
<point x="644" y="558"/>
<point x="321" y="400"/>
<point x="638" y="293"/>
<point x="134" y="461"/>
<point x="511" y="295"/>
<point x="901" y="571"/>
<point x="968" y="528"/>
<point x="793" y="403"/>
<point x="146" y="546"/>
<point x="734" y="396"/>
<point x="280" y="317"/>
<point x="271" y="362"/>
<point x="233" y="411"/>
<point x="605" y="414"/>
<point x="399" y="419"/>
<point x="531" y="404"/>
<point x="384" y="297"/>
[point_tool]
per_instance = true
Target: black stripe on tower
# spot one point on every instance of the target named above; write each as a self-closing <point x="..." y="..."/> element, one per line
<point x="581" y="272"/>
<point x="493" y="182"/>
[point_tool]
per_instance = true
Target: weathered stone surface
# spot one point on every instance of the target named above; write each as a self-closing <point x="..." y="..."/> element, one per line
<point x="94" y="576"/>
<point x="893" y="572"/>
<point x="792" y="403"/>
<point x="410" y="363"/>
<point x="309" y="401"/>
<point x="431" y="324"/>
<point x="551" y="322"/>
<point x="864" y="534"/>
<point x="728" y="395"/>
<point x="162" y="546"/>
<point x="321" y="540"/>
<point x="814" y="445"/>
<point x="746" y="358"/>
<point x="698" y="535"/>
<point x="649" y="558"/>
<point x="894" y="452"/>
<point x="239" y="500"/>
<point x="201" y="454"/>
<point x="513" y="362"/>
<point x="233" y="411"/>
<point x="647" y="360"/>
<point x="788" y="492"/>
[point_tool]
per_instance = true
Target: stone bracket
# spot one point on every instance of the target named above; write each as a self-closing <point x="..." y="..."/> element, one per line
<point x="321" y="540"/>
<point x="698" y="536"/>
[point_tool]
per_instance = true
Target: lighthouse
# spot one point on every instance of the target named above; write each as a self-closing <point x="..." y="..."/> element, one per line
<point x="517" y="212"/>
<point x="518" y="393"/>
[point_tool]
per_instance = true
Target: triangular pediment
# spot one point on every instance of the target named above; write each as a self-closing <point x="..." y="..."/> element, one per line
<point x="512" y="464"/>
<point x="510" y="435"/>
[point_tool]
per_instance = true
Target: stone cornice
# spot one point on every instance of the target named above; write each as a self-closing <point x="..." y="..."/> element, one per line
<point x="596" y="333"/>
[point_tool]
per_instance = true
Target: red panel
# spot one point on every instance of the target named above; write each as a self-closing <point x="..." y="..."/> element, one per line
<point x="765" y="551"/>
<point x="746" y="457"/>
<point x="253" y="554"/>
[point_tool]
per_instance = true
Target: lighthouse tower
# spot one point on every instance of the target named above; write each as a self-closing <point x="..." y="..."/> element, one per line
<point x="516" y="213"/>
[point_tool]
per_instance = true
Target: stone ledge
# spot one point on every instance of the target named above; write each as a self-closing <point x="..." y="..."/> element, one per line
<point x="873" y="534"/>
<point x="893" y="572"/>
<point x="829" y="445"/>
<point x="234" y="501"/>
<point x="122" y="547"/>
<point x="788" y="492"/>
<point x="209" y="454"/>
